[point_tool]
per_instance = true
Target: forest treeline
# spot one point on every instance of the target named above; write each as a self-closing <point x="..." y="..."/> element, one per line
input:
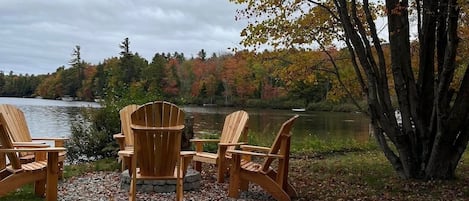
<point x="290" y="77"/>
<point x="226" y="79"/>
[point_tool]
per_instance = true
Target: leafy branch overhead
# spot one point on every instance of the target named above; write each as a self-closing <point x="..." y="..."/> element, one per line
<point x="422" y="77"/>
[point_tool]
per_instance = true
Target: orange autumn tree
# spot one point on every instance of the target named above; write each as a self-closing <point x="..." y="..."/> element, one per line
<point x="432" y="98"/>
<point x="170" y="82"/>
<point x="238" y="76"/>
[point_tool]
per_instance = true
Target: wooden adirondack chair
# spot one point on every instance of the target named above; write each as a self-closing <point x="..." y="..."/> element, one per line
<point x="273" y="181"/>
<point x="21" y="136"/>
<point x="125" y="138"/>
<point x="234" y="127"/>
<point x="43" y="172"/>
<point x="157" y="129"/>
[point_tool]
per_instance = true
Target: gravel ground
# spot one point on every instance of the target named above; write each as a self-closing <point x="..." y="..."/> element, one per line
<point x="105" y="186"/>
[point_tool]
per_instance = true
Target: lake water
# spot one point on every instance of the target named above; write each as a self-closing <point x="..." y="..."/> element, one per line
<point x="49" y="118"/>
<point x="53" y="118"/>
<point x="265" y="123"/>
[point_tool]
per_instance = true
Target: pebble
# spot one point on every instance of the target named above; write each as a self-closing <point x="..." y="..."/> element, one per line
<point x="105" y="186"/>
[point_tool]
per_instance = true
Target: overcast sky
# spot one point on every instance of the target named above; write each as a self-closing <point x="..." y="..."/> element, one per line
<point x="38" y="36"/>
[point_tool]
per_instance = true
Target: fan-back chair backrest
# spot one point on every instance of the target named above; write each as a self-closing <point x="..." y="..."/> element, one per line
<point x="281" y="143"/>
<point x="124" y="114"/>
<point x="157" y="150"/>
<point x="16" y="121"/>
<point x="6" y="143"/>
<point x="234" y="126"/>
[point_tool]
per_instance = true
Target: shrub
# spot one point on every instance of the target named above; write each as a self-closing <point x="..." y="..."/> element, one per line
<point x="91" y="137"/>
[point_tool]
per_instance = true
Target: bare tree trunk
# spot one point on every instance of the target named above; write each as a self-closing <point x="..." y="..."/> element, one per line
<point x="433" y="134"/>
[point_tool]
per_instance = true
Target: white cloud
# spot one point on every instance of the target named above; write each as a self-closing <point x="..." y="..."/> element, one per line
<point x="38" y="36"/>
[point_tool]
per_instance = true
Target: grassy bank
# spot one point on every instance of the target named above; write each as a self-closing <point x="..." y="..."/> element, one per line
<point x="369" y="176"/>
<point x="337" y="175"/>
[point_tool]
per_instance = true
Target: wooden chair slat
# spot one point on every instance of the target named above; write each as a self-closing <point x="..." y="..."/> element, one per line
<point x="234" y="127"/>
<point x="157" y="153"/>
<point x="19" y="132"/>
<point x="43" y="173"/>
<point x="273" y="181"/>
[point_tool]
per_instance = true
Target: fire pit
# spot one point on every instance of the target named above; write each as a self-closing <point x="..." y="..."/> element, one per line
<point x="191" y="183"/>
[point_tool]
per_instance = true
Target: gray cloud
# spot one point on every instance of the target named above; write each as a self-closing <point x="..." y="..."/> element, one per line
<point x="37" y="36"/>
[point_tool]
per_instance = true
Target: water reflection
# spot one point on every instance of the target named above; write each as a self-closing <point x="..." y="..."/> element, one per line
<point x="265" y="123"/>
<point x="52" y="118"/>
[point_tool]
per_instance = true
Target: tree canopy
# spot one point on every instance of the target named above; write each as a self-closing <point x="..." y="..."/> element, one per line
<point x="432" y="98"/>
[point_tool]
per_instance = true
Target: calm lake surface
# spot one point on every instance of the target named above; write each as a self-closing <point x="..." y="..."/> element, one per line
<point x="265" y="123"/>
<point x="53" y="118"/>
<point x="49" y="118"/>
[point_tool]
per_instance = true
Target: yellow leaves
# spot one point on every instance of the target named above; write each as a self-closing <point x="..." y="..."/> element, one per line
<point x="243" y="33"/>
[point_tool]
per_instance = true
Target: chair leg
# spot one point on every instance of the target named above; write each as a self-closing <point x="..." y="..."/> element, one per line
<point x="244" y="185"/>
<point x="2" y="161"/>
<point x="179" y="189"/>
<point x="233" y="190"/>
<point x="52" y="179"/>
<point x="291" y="191"/>
<point x="186" y="162"/>
<point x="126" y="163"/>
<point x="40" y="188"/>
<point x="198" y="165"/>
<point x="133" y="189"/>
<point x="133" y="181"/>
<point x="221" y="172"/>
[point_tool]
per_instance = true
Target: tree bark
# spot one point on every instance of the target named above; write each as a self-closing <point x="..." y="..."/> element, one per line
<point x="430" y="141"/>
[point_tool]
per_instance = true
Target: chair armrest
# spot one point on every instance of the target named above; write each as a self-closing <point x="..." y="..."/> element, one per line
<point x="254" y="148"/>
<point x="58" y="141"/>
<point x="51" y="138"/>
<point x="49" y="149"/>
<point x="239" y="152"/>
<point x="204" y="140"/>
<point x="30" y="144"/>
<point x="152" y="128"/>
<point x="126" y="153"/>
<point x="118" y="136"/>
<point x="187" y="153"/>
<point x="231" y="144"/>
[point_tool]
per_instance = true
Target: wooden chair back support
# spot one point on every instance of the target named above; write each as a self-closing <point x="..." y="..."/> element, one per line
<point x="6" y="143"/>
<point x="17" y="124"/>
<point x="16" y="121"/>
<point x="157" y="150"/>
<point x="274" y="181"/>
<point x="234" y="128"/>
<point x="124" y="115"/>
<point x="281" y="144"/>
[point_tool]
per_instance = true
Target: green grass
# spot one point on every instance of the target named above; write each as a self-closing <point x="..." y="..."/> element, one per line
<point x="323" y="146"/>
<point x="26" y="193"/>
